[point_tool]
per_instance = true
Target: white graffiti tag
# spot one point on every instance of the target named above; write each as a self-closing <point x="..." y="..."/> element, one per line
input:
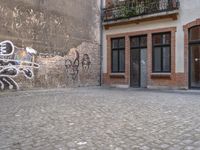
<point x="13" y="61"/>
<point x="6" y="48"/>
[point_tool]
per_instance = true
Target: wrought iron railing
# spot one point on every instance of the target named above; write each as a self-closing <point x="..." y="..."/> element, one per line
<point x="135" y="8"/>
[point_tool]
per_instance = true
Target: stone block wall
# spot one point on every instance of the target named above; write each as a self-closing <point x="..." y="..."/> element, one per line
<point x="49" y="43"/>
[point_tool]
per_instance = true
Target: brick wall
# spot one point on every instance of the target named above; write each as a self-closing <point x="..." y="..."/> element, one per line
<point x="109" y="3"/>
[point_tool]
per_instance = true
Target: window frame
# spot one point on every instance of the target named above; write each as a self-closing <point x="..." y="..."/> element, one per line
<point x="139" y="37"/>
<point x="189" y="39"/>
<point x="118" y="49"/>
<point x="162" y="46"/>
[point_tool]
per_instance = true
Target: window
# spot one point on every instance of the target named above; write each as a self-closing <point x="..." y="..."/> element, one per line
<point x="118" y="55"/>
<point x="194" y="34"/>
<point x="139" y="42"/>
<point x="162" y="52"/>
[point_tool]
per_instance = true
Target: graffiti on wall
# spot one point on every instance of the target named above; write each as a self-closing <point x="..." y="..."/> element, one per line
<point x="86" y="62"/>
<point x="38" y="24"/>
<point x="51" y="54"/>
<point x="15" y="61"/>
<point x="72" y="65"/>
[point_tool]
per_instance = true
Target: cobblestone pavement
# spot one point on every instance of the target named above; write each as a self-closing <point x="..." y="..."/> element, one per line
<point x="100" y="119"/>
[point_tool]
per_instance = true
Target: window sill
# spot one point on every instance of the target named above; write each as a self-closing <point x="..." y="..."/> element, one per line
<point x="161" y="75"/>
<point x="117" y="75"/>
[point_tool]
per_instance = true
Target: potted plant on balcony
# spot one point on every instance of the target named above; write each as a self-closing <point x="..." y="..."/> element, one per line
<point x="126" y="12"/>
<point x="140" y="7"/>
<point x="131" y="9"/>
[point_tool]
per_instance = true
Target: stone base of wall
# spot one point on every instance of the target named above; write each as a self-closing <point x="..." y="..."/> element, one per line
<point x="177" y="81"/>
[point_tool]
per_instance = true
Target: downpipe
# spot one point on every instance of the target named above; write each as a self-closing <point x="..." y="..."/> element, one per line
<point x="101" y="41"/>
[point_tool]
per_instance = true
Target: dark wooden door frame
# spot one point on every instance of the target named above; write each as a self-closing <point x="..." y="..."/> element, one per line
<point x="190" y="44"/>
<point x="136" y="48"/>
<point x="189" y="65"/>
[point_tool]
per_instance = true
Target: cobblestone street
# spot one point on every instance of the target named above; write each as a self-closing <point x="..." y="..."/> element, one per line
<point x="100" y="119"/>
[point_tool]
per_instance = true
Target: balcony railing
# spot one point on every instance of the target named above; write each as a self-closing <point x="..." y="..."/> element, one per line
<point x="134" y="8"/>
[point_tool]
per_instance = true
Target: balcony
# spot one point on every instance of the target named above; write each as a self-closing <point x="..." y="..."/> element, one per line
<point x="135" y="11"/>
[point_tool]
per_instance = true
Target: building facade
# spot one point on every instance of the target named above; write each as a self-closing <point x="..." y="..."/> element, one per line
<point x="49" y="44"/>
<point x="151" y="43"/>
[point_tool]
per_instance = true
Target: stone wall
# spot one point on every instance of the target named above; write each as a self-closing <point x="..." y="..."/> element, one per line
<point x="53" y="43"/>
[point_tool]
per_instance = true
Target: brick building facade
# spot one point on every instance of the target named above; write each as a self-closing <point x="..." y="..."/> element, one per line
<point x="153" y="44"/>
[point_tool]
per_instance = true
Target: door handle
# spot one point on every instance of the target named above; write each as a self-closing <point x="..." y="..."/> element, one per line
<point x="197" y="59"/>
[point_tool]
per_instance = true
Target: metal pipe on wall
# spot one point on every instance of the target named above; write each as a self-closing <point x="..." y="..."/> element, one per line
<point x="101" y="41"/>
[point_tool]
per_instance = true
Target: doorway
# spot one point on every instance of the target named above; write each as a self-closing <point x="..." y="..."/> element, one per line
<point x="138" y="61"/>
<point x="194" y="57"/>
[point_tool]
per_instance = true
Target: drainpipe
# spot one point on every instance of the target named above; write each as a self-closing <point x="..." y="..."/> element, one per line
<point x="101" y="41"/>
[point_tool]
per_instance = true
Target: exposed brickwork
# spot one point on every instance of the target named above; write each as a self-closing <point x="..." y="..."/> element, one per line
<point x="109" y="3"/>
<point x="173" y="80"/>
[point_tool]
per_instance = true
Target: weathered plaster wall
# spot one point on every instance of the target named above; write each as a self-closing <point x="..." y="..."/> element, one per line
<point x="64" y="33"/>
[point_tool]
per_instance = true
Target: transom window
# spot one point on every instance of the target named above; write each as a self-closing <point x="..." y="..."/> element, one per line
<point x="139" y="42"/>
<point x="118" y="55"/>
<point x="194" y="34"/>
<point x="161" y="53"/>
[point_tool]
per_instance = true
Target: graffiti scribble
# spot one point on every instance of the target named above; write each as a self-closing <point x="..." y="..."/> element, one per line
<point x="86" y="62"/>
<point x="72" y="66"/>
<point x="6" y="48"/>
<point x="13" y="61"/>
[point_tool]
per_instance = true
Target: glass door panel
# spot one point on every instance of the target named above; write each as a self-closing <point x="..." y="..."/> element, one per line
<point x="195" y="66"/>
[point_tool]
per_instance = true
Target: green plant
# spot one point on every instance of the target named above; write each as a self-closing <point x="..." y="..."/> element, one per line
<point x="126" y="12"/>
<point x="140" y="8"/>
